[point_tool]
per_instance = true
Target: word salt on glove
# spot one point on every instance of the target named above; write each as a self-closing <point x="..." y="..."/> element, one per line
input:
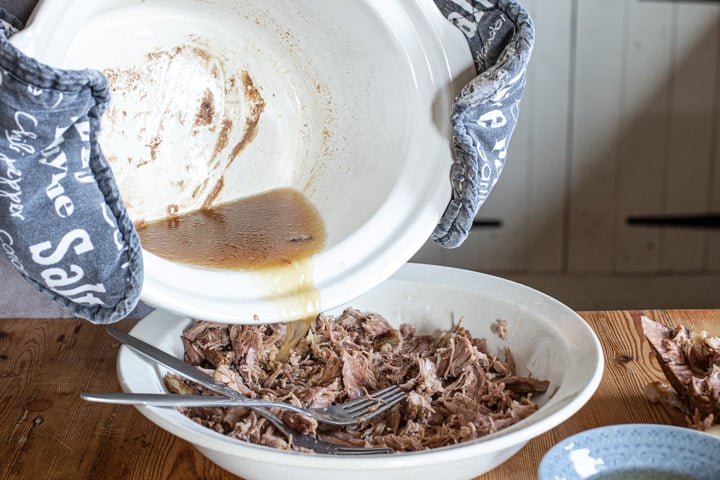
<point x="62" y="223"/>
<point x="501" y="36"/>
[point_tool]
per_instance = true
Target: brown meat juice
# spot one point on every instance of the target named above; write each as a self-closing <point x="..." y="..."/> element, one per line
<point x="275" y="228"/>
<point x="269" y="229"/>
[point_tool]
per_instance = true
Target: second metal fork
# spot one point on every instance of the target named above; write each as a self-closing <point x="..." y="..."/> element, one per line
<point x="346" y="413"/>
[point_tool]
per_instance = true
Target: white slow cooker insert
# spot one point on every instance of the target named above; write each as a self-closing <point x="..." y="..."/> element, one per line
<point x="357" y="98"/>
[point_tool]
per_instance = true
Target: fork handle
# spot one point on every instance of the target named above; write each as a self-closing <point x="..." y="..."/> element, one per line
<point x="173" y="363"/>
<point x="176" y="400"/>
<point x="188" y="371"/>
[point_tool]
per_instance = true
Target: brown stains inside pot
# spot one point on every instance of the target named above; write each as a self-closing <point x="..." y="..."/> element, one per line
<point x="178" y="119"/>
<point x="206" y="112"/>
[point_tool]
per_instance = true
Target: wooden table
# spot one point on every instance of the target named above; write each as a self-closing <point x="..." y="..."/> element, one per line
<point x="47" y="432"/>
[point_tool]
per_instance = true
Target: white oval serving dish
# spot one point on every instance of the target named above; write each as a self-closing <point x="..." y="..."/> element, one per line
<point x="546" y="338"/>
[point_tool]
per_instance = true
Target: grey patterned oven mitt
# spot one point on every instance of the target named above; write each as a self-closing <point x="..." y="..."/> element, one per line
<point x="62" y="223"/>
<point x="501" y="35"/>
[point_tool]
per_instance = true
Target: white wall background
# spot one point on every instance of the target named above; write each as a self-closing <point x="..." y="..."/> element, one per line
<point x="620" y="118"/>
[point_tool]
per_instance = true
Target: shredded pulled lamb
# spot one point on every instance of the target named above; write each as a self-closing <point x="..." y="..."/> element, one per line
<point x="456" y="389"/>
<point x="690" y="361"/>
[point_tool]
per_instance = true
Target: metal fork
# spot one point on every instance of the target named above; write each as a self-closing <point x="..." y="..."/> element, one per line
<point x="346" y="413"/>
<point x="178" y="366"/>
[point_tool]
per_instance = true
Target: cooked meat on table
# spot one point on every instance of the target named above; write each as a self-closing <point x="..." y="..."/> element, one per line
<point x="690" y="360"/>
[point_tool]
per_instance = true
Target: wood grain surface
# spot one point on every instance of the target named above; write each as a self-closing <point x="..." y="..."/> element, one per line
<point x="48" y="432"/>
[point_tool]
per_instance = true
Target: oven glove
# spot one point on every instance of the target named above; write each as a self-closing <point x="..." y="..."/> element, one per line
<point x="501" y="35"/>
<point x="62" y="223"/>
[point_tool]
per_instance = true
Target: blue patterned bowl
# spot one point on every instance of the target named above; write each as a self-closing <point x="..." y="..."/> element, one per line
<point x="635" y="450"/>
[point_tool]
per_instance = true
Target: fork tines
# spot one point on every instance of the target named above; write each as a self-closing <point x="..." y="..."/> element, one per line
<point x="384" y="399"/>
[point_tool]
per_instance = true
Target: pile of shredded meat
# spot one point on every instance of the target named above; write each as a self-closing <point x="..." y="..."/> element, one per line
<point x="456" y="389"/>
<point x="690" y="361"/>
